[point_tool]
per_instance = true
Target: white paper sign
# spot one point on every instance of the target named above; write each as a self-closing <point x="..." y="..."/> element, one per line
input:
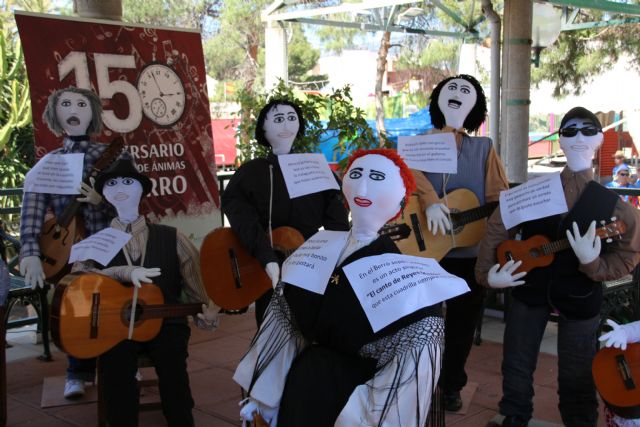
<point x="391" y="286"/>
<point x="101" y="247"/>
<point x="306" y="174"/>
<point x="311" y="265"/>
<point x="56" y="174"/>
<point x="537" y="198"/>
<point x="435" y="152"/>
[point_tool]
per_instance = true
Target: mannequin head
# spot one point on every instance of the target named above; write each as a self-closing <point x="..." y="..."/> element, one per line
<point x="376" y="185"/>
<point x="123" y="186"/>
<point x="279" y="123"/>
<point x="580" y="136"/>
<point x="458" y="102"/>
<point x="73" y="112"/>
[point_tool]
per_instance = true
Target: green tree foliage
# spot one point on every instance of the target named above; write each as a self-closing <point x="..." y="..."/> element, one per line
<point x="302" y="57"/>
<point x="343" y="117"/>
<point x="174" y="13"/>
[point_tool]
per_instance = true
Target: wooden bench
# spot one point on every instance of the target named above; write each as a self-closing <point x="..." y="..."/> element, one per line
<point x="19" y="292"/>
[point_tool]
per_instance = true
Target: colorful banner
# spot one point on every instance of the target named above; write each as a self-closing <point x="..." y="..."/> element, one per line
<point x="152" y="84"/>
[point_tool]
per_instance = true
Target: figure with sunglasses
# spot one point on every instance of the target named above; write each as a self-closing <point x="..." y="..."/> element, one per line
<point x="571" y="285"/>
<point x="619" y="160"/>
<point x="256" y="198"/>
<point x="622" y="179"/>
<point x="458" y="105"/>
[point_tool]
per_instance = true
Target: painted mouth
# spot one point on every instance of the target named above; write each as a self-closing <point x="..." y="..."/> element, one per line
<point x="73" y="121"/>
<point x="285" y="134"/>
<point x="121" y="196"/>
<point x="454" y="103"/>
<point x="579" y="147"/>
<point x="362" y="202"/>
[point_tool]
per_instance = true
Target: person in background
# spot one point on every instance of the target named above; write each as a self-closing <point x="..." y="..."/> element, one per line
<point x="622" y="180"/>
<point x="619" y="160"/>
<point x="256" y="199"/>
<point x="75" y="114"/>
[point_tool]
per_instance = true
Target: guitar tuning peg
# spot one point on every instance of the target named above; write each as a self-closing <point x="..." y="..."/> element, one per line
<point x="613" y="218"/>
<point x="609" y="240"/>
<point x="602" y="221"/>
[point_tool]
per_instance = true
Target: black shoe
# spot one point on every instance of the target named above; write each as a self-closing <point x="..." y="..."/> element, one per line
<point x="452" y="401"/>
<point x="514" y="421"/>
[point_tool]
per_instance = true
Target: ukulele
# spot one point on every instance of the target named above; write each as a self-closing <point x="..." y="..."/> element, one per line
<point x="616" y="374"/>
<point x="59" y="234"/>
<point x="466" y="226"/>
<point x="90" y="313"/>
<point x="538" y="250"/>
<point x="233" y="278"/>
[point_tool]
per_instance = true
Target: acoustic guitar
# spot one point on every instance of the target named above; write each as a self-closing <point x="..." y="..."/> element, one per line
<point x="233" y="278"/>
<point x="59" y="234"/>
<point x="616" y="374"/>
<point x="538" y="250"/>
<point x="90" y="313"/>
<point x="467" y="229"/>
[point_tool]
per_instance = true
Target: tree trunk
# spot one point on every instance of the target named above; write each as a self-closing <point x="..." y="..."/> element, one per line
<point x="99" y="9"/>
<point x="380" y="69"/>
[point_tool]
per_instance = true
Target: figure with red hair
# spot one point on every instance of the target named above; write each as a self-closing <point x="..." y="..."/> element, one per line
<point x="316" y="360"/>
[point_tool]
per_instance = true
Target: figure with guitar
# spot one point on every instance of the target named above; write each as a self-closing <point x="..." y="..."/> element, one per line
<point x="73" y="113"/>
<point x="256" y="199"/>
<point x="568" y="280"/>
<point x="458" y="105"/>
<point x="163" y="255"/>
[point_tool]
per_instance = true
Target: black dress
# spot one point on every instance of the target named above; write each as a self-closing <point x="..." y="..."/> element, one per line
<point x="338" y="371"/>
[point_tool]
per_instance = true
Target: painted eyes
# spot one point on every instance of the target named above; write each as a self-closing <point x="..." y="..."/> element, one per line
<point x="463" y="89"/>
<point x="114" y="181"/>
<point x="355" y="174"/>
<point x="67" y="103"/>
<point x="82" y="104"/>
<point x="281" y="119"/>
<point x="374" y="175"/>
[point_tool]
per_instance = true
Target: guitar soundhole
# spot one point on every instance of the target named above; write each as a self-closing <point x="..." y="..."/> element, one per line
<point x="126" y="313"/>
<point x="535" y="253"/>
<point x="455" y="228"/>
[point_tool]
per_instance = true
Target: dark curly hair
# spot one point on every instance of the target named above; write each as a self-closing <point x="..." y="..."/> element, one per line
<point x="263" y="116"/>
<point x="475" y="117"/>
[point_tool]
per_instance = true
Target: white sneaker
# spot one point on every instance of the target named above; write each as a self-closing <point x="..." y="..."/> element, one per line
<point x="73" y="389"/>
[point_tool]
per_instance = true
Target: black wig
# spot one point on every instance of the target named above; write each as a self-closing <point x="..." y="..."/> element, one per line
<point x="475" y="117"/>
<point x="263" y="116"/>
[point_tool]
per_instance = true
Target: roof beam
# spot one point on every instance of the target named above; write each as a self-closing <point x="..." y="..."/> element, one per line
<point x="599" y="24"/>
<point x="343" y="8"/>
<point x="394" y="28"/>
<point x="605" y="5"/>
<point x="449" y="12"/>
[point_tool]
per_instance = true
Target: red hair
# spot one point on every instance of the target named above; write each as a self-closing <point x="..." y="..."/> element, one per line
<point x="405" y="172"/>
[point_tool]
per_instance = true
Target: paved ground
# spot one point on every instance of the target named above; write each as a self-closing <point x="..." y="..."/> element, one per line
<point x="213" y="357"/>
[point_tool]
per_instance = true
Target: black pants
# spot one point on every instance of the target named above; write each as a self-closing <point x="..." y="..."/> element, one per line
<point x="461" y="317"/>
<point x="118" y="368"/>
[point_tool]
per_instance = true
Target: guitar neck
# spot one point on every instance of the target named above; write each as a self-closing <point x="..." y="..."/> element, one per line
<point x="169" y="310"/>
<point x="471" y="215"/>
<point x="611" y="230"/>
<point x="557" y="246"/>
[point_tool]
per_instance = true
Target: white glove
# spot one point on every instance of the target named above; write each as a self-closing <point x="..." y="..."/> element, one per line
<point x="587" y="247"/>
<point x="209" y="314"/>
<point x="437" y="218"/>
<point x="273" y="271"/>
<point x="31" y="269"/>
<point x="505" y="277"/>
<point x="250" y="406"/>
<point x="89" y="193"/>
<point x="142" y="274"/>
<point x="617" y="337"/>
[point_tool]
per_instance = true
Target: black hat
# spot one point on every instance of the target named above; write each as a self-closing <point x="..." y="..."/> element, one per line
<point x="123" y="168"/>
<point x="582" y="113"/>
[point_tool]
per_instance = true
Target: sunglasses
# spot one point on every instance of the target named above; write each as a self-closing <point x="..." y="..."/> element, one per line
<point x="623" y="174"/>
<point x="586" y="131"/>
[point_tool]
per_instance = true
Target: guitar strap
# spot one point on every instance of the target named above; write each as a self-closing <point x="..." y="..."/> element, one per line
<point x="134" y="302"/>
<point x="270" y="202"/>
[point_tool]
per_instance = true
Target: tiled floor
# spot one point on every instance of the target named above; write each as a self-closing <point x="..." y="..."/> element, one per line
<point x="213" y="357"/>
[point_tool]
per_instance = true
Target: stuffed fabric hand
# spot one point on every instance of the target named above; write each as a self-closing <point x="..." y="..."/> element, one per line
<point x="505" y="278"/>
<point x="251" y="407"/>
<point x="621" y="335"/>
<point x="142" y="274"/>
<point x="31" y="269"/>
<point x="437" y="218"/>
<point x="587" y="247"/>
<point x="273" y="271"/>
<point x="209" y="315"/>
<point x="90" y="195"/>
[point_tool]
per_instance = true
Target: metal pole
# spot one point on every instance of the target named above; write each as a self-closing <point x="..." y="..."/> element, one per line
<point x="494" y="113"/>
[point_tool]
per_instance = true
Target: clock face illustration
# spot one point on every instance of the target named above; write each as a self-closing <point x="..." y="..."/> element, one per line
<point x="162" y="94"/>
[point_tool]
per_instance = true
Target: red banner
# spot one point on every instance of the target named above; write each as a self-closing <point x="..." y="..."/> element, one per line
<point x="152" y="84"/>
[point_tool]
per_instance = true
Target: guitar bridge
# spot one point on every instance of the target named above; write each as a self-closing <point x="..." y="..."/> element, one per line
<point x="508" y="255"/>
<point x="95" y="315"/>
<point x="233" y="259"/>
<point x="415" y="224"/>
<point x="625" y="372"/>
